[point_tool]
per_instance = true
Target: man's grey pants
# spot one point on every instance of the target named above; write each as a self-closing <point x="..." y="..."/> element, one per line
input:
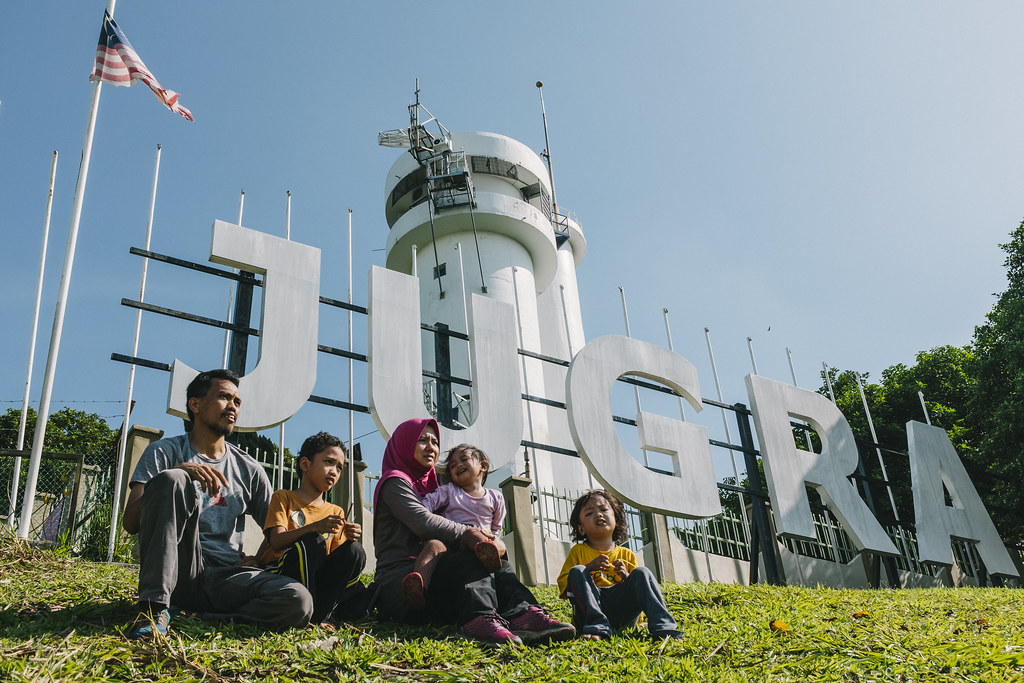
<point x="171" y="567"/>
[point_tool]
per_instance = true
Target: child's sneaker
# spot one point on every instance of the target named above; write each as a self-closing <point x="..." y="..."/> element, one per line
<point x="412" y="589"/>
<point x="147" y="625"/>
<point x="487" y="553"/>
<point x="489" y="628"/>
<point x="534" y="624"/>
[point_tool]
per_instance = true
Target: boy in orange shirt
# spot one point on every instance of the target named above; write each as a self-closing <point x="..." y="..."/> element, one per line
<point x="309" y="539"/>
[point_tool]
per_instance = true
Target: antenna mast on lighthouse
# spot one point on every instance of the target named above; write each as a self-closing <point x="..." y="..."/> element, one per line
<point x="558" y="221"/>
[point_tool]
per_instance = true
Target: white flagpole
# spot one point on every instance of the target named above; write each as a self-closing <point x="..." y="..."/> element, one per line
<point x="828" y="381"/>
<point x="753" y="362"/>
<point x="728" y="433"/>
<point x="280" y="427"/>
<point x="682" y="417"/>
<point x="878" y="451"/>
<point x="231" y="292"/>
<point x="636" y="389"/>
<point x="28" y="502"/>
<point x="16" y="474"/>
<point x="924" y="407"/>
<point x="122" y="446"/>
<point x="351" y="384"/>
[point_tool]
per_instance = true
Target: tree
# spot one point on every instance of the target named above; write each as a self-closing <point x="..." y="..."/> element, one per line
<point x="67" y="431"/>
<point x="943" y="376"/>
<point x="997" y="402"/>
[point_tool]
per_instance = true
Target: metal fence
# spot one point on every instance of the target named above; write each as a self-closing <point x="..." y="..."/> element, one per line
<point x="73" y="498"/>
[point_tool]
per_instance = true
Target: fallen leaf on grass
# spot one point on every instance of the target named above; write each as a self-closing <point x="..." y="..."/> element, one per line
<point x="326" y="644"/>
<point x="779" y="626"/>
<point x="860" y="615"/>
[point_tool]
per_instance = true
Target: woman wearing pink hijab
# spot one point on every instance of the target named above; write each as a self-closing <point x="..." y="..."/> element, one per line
<point x="490" y="607"/>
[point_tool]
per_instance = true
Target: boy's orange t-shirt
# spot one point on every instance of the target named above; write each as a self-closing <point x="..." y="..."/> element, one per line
<point x="288" y="510"/>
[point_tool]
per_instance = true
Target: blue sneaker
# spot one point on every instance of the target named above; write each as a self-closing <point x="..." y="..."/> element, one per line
<point x="147" y="625"/>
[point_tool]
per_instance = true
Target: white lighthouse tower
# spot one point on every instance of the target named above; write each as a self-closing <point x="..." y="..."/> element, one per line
<point x="472" y="213"/>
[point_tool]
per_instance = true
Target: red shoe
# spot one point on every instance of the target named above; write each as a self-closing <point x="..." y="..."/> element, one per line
<point x="412" y="589"/>
<point x="489" y="628"/>
<point x="534" y="624"/>
<point x="487" y="553"/>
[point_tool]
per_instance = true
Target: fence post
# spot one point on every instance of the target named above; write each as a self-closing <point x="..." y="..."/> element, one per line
<point x="139" y="438"/>
<point x="661" y="540"/>
<point x="518" y="505"/>
<point x="762" y="534"/>
<point x="339" y="494"/>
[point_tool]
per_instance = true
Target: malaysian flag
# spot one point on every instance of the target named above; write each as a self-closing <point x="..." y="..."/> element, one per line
<point x="118" y="64"/>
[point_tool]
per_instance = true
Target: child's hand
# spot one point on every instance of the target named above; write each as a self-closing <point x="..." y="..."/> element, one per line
<point x="621" y="568"/>
<point x="328" y="525"/>
<point x="599" y="564"/>
<point x="353" y="532"/>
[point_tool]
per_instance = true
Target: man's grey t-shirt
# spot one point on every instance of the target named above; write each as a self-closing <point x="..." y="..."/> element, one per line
<point x="221" y="517"/>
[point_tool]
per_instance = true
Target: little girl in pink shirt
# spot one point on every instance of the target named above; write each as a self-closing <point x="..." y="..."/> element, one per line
<point x="462" y="499"/>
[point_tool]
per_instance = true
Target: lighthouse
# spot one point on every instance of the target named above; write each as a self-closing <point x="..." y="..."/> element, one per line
<point x="473" y="213"/>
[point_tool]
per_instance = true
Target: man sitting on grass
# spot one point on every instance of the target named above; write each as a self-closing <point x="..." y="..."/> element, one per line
<point x="187" y="501"/>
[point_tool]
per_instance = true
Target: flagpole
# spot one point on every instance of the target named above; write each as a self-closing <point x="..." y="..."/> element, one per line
<point x="728" y="433"/>
<point x="679" y="465"/>
<point x="28" y="502"/>
<point x="280" y="427"/>
<point x="122" y="444"/>
<point x="16" y="474"/>
<point x="351" y="386"/>
<point x="231" y="293"/>
<point x="636" y="390"/>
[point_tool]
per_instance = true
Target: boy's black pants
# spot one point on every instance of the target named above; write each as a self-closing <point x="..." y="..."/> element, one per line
<point x="332" y="578"/>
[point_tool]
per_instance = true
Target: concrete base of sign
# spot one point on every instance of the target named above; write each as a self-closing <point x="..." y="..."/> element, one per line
<point x="691" y="566"/>
<point x="810" y="571"/>
<point x="556" y="551"/>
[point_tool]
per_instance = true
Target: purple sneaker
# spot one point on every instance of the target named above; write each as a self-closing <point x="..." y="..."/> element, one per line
<point x="489" y="628"/>
<point x="534" y="624"/>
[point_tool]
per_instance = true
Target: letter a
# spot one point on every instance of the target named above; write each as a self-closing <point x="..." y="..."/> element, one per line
<point x="285" y="375"/>
<point x="934" y="462"/>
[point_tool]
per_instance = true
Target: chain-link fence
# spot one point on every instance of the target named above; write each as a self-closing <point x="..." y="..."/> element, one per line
<point x="72" y="501"/>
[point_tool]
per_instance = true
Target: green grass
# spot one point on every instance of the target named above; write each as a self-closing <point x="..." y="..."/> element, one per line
<point x="64" y="619"/>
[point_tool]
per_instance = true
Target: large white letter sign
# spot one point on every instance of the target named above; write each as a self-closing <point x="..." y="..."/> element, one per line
<point x="787" y="468"/>
<point x="588" y="385"/>
<point x="396" y="366"/>
<point x="285" y="375"/>
<point x="934" y="462"/>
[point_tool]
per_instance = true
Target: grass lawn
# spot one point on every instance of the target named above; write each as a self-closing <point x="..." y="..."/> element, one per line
<point x="63" y="619"/>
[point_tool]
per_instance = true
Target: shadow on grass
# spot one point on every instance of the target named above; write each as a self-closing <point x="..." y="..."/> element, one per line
<point x="90" y="617"/>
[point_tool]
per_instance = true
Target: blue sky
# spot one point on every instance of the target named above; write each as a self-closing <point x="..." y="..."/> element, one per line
<point x="829" y="177"/>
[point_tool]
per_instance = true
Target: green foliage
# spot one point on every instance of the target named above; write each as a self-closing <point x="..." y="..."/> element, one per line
<point x="71" y="432"/>
<point x="997" y="406"/>
<point x="64" y="619"/>
<point x="67" y="431"/>
<point x="943" y="376"/>
<point x="250" y="442"/>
